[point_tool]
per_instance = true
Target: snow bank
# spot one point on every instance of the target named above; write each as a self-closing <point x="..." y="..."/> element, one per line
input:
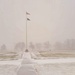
<point x="57" y="60"/>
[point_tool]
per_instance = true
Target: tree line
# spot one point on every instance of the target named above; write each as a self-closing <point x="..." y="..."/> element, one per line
<point x="20" y="46"/>
<point x="67" y="45"/>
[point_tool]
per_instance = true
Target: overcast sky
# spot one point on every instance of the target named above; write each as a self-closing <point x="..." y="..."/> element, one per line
<point x="51" y="20"/>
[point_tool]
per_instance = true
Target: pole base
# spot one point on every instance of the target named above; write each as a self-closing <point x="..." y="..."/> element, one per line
<point x="26" y="50"/>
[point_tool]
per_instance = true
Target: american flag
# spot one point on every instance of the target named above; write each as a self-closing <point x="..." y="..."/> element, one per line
<point x="28" y="19"/>
<point x="27" y="13"/>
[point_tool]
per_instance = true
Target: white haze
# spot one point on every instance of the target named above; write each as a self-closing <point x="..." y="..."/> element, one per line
<point x="51" y="20"/>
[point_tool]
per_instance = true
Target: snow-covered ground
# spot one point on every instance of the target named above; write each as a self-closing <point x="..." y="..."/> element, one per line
<point x="56" y="69"/>
<point x="57" y="60"/>
<point x="8" y="69"/>
<point x="57" y="66"/>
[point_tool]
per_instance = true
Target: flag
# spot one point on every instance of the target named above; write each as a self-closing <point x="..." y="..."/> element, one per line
<point x="28" y="19"/>
<point x="27" y="13"/>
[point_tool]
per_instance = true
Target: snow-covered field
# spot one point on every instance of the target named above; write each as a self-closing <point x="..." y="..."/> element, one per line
<point x="56" y="66"/>
<point x="62" y="66"/>
<point x="42" y="69"/>
<point x="8" y="69"/>
<point x="56" y="69"/>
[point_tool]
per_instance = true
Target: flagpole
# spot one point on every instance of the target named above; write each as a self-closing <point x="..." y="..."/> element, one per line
<point x="26" y="35"/>
<point x="27" y="19"/>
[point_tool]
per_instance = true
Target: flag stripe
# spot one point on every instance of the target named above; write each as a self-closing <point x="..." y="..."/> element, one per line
<point x="28" y="19"/>
<point x="27" y="13"/>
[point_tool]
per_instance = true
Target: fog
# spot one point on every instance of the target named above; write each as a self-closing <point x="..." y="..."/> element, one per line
<point x="51" y="20"/>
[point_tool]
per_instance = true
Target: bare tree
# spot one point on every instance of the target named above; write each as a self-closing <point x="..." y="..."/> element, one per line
<point x="3" y="48"/>
<point x="58" y="46"/>
<point x="38" y="46"/>
<point x="20" y="46"/>
<point x="69" y="44"/>
<point x="31" y="46"/>
<point x="73" y="44"/>
<point x="47" y="46"/>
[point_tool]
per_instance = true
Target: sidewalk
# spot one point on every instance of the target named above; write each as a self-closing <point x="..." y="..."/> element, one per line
<point x="27" y="69"/>
<point x="27" y="66"/>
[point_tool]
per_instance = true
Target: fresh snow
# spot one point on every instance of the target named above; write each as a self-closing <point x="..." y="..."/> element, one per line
<point x="56" y="66"/>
